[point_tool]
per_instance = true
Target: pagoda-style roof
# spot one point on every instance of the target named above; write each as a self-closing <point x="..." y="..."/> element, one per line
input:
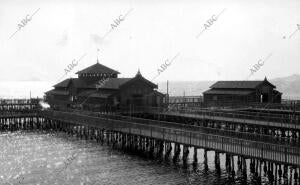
<point x="57" y="92"/>
<point x="76" y="82"/>
<point x="109" y="83"/>
<point x="139" y="76"/>
<point x="114" y="83"/>
<point x="63" y="83"/>
<point x="117" y="83"/>
<point x="98" y="69"/>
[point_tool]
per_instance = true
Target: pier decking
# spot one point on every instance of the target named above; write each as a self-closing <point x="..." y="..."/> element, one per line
<point x="238" y="118"/>
<point x="267" y="140"/>
<point x="257" y="149"/>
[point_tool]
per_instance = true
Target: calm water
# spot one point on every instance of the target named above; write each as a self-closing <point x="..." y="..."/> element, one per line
<point x="54" y="158"/>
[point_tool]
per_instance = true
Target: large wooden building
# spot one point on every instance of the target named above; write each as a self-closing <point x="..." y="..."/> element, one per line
<point x="99" y="86"/>
<point x="240" y="92"/>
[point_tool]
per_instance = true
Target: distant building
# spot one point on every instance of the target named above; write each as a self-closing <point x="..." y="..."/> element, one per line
<point x="99" y="86"/>
<point x="229" y="92"/>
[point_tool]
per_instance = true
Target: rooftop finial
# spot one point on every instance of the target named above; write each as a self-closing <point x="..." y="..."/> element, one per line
<point x="97" y="55"/>
<point x="138" y="73"/>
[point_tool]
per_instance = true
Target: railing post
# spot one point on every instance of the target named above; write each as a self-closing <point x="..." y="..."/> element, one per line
<point x="222" y="141"/>
<point x="241" y="146"/>
<point x="285" y="154"/>
<point x="190" y="138"/>
<point x="261" y="152"/>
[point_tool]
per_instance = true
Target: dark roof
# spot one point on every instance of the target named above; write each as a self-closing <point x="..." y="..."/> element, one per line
<point x="114" y="83"/>
<point x="98" y="68"/>
<point x="138" y="76"/>
<point x="64" y="83"/>
<point x="79" y="83"/>
<point x="157" y="93"/>
<point x="228" y="92"/>
<point x="76" y="81"/>
<point x="110" y="83"/>
<point x="276" y="92"/>
<point x="238" y="84"/>
<point x="57" y="92"/>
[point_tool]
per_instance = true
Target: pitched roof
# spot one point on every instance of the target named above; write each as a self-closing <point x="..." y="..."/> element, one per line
<point x="79" y="83"/>
<point x="238" y="84"/>
<point x="109" y="83"/>
<point x="114" y="83"/>
<point x="157" y="93"/>
<point x="98" y="68"/>
<point x="138" y="76"/>
<point x="64" y="83"/>
<point x="76" y="81"/>
<point x="276" y="92"/>
<point x="57" y="92"/>
<point x="228" y="92"/>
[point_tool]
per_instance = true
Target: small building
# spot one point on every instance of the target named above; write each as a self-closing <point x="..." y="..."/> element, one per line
<point x="237" y="92"/>
<point x="99" y="86"/>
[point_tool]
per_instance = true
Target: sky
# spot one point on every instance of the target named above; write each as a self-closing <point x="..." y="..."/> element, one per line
<point x="161" y="38"/>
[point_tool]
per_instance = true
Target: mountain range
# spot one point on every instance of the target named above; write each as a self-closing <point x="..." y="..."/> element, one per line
<point x="289" y="86"/>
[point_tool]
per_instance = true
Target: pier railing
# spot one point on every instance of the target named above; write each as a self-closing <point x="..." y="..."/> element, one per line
<point x="19" y="101"/>
<point x="192" y="127"/>
<point x="284" y="105"/>
<point x="267" y="119"/>
<point x="273" y="152"/>
<point x="18" y="107"/>
<point x="21" y="113"/>
<point x="248" y="115"/>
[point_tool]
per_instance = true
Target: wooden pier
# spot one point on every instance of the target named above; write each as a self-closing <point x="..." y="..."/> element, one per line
<point x="170" y="134"/>
<point x="280" y="126"/>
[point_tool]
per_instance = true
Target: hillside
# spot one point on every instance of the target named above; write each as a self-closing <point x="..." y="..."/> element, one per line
<point x="290" y="86"/>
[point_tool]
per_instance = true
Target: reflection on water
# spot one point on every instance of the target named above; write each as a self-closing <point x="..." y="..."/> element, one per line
<point x="54" y="158"/>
